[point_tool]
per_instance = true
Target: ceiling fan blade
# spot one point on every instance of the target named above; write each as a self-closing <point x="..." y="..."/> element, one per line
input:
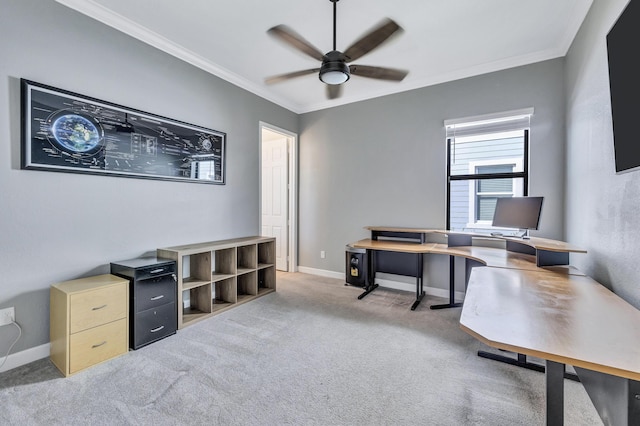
<point x="379" y="73"/>
<point x="287" y="76"/>
<point x="334" y="91"/>
<point x="372" y="39"/>
<point x="286" y="34"/>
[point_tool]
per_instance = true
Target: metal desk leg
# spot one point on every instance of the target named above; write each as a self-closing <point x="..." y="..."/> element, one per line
<point x="371" y="274"/>
<point x="452" y="288"/>
<point x="419" y="284"/>
<point x="554" y="374"/>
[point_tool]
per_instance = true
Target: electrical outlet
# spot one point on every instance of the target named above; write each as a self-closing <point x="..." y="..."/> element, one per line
<point x="7" y="316"/>
<point x="322" y="254"/>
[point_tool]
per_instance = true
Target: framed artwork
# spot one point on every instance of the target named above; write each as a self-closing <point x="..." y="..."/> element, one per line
<point x="68" y="132"/>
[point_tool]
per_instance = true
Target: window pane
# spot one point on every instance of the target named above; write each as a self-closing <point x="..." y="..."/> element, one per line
<point x="486" y="206"/>
<point x="495" y="168"/>
<point x="495" y="185"/>
<point x="470" y="211"/>
<point x="470" y="154"/>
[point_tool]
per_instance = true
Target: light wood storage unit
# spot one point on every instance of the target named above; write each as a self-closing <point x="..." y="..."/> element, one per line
<point x="221" y="274"/>
<point x="89" y="321"/>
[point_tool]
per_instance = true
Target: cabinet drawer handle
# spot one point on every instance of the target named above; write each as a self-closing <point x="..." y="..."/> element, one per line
<point x="99" y="344"/>
<point x="155" y="271"/>
<point x="157" y="297"/>
<point x="155" y="330"/>
<point x="98" y="307"/>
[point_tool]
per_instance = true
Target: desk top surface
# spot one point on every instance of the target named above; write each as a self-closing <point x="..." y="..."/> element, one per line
<point x="534" y="242"/>
<point x="556" y="316"/>
<point x="489" y="256"/>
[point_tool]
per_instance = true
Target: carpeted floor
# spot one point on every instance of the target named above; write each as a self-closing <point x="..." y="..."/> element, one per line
<point x="308" y="354"/>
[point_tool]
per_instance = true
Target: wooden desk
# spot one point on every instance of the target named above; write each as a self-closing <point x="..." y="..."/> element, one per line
<point x="515" y="258"/>
<point x="563" y="319"/>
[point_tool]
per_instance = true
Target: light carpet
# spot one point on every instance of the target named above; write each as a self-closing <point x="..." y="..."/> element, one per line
<point x="309" y="354"/>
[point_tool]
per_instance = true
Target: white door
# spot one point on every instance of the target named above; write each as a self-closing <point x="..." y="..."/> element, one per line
<point x="274" y="194"/>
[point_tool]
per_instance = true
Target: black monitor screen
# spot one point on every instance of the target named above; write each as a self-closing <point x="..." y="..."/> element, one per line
<point x="625" y="87"/>
<point x="518" y="212"/>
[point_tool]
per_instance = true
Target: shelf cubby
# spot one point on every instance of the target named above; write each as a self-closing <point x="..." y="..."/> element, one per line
<point x="199" y="303"/>
<point x="224" y="294"/>
<point x="224" y="261"/>
<point x="247" y="286"/>
<point x="266" y="280"/>
<point x="266" y="254"/>
<point x="247" y="259"/>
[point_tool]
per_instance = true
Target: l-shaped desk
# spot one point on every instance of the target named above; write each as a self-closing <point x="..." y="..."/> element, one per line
<point x="530" y="301"/>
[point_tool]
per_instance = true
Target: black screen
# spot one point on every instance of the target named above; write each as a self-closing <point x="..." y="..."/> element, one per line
<point x="624" y="84"/>
<point x="518" y="212"/>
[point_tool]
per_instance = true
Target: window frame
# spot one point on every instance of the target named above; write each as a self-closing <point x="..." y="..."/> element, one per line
<point x="472" y="178"/>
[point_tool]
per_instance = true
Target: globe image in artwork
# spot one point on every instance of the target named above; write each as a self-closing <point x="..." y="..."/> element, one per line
<point x="75" y="133"/>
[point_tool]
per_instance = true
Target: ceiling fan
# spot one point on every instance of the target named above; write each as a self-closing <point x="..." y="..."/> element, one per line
<point x="334" y="69"/>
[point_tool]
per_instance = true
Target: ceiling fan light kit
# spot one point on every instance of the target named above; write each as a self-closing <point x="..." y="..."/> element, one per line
<point x="334" y="70"/>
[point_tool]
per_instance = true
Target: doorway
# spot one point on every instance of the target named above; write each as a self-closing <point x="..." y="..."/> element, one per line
<point x="278" y="193"/>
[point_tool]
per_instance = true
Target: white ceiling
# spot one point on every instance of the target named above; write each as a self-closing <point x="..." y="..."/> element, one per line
<point x="443" y="40"/>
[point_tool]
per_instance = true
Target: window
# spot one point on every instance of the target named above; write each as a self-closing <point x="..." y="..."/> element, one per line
<point x="205" y="170"/>
<point x="486" y="159"/>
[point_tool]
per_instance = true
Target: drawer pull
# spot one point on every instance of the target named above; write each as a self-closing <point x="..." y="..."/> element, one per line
<point x="155" y="330"/>
<point x="99" y="307"/>
<point x="155" y="271"/>
<point x="157" y="297"/>
<point x="99" y="344"/>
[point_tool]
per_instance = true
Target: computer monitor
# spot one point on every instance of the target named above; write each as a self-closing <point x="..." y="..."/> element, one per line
<point x="522" y="213"/>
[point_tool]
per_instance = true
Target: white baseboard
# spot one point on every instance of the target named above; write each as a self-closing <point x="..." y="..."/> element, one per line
<point x="321" y="272"/>
<point x="25" y="357"/>
<point x="388" y="283"/>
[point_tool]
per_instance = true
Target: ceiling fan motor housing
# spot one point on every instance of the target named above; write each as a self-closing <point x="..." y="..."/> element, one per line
<point x="334" y="69"/>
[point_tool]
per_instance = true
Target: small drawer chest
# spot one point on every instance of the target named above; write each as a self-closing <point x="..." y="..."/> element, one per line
<point x="152" y="308"/>
<point x="89" y="321"/>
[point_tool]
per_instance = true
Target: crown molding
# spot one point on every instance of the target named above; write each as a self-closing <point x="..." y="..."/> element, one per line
<point x="123" y="24"/>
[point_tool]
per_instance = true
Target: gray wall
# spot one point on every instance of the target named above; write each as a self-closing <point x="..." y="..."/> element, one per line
<point x="603" y="208"/>
<point x="61" y="226"/>
<point x="382" y="161"/>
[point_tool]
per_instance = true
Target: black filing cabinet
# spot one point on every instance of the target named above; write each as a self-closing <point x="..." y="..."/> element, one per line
<point x="152" y="298"/>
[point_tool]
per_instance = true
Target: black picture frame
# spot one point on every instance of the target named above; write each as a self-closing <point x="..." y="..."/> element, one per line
<point x="64" y="131"/>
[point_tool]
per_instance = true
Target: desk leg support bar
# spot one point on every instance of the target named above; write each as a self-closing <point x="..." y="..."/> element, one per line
<point x="555" y="393"/>
<point x="368" y="290"/>
<point x="522" y="362"/>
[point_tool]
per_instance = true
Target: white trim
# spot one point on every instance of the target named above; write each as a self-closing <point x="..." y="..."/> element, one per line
<point x="139" y="32"/>
<point x="25" y="357"/>
<point x="397" y="285"/>
<point x="496" y="116"/>
<point x="292" y="178"/>
<point x="321" y="272"/>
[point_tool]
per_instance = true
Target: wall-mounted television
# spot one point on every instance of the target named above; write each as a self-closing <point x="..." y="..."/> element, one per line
<point x="521" y="213"/>
<point x="624" y="85"/>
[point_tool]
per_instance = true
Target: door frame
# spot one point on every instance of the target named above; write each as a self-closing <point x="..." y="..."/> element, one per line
<point x="292" y="181"/>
